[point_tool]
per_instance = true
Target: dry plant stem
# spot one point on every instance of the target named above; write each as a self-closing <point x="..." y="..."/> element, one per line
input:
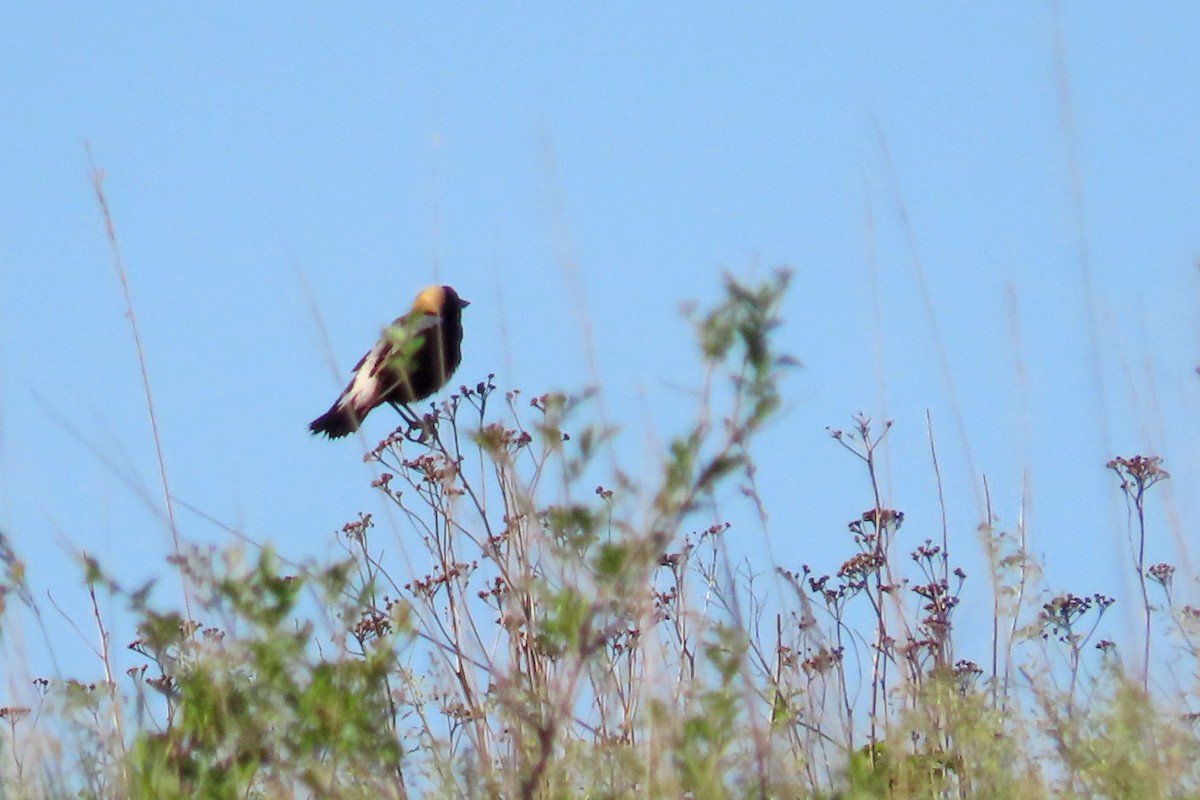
<point x="1022" y="584"/>
<point x="988" y="531"/>
<point x="547" y="728"/>
<point x="1141" y="570"/>
<point x="927" y="301"/>
<point x="1174" y="614"/>
<point x="944" y="655"/>
<point x="449" y="641"/>
<point x="13" y="717"/>
<point x="735" y="435"/>
<point x="847" y="703"/>
<point x="671" y="517"/>
<point x="513" y="559"/>
<point x="513" y="562"/>
<point x="110" y="683"/>
<point x="369" y="579"/>
<point x="682" y="624"/>
<point x="444" y="543"/>
<point x="444" y="547"/>
<point x="1137" y="475"/>
<point x="731" y="602"/>
<point x="97" y="177"/>
<point x="937" y="473"/>
<point x="878" y="660"/>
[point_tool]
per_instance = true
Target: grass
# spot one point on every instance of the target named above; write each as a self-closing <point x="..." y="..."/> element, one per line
<point x="573" y="632"/>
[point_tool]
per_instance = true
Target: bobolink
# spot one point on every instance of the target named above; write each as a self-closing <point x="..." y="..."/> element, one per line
<point x="416" y="356"/>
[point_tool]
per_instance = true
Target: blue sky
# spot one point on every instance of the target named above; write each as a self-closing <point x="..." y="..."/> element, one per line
<point x="573" y="169"/>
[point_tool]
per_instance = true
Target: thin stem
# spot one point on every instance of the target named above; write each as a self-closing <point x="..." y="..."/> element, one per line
<point x="97" y="177"/>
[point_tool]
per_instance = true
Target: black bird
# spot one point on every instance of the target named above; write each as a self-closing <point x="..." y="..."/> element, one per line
<point x="415" y="357"/>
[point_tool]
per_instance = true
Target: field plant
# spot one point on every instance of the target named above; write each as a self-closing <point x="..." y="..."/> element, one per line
<point x="564" y="628"/>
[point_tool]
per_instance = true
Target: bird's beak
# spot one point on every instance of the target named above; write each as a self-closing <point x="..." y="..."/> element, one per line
<point x="463" y="303"/>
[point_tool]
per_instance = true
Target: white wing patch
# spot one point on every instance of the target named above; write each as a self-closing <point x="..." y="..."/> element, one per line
<point x="364" y="390"/>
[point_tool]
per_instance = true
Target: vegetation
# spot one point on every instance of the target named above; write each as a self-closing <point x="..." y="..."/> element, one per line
<point x="579" y="632"/>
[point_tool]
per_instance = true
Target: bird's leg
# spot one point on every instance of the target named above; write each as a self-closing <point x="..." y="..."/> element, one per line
<point x="407" y="414"/>
<point x="414" y="421"/>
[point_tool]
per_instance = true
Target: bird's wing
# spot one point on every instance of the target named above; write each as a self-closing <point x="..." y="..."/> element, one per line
<point x="401" y="331"/>
<point x="364" y="390"/>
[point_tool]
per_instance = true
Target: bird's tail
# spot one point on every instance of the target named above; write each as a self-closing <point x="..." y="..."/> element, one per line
<point x="336" y="422"/>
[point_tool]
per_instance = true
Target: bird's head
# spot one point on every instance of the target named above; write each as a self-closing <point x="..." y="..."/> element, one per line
<point x="435" y="300"/>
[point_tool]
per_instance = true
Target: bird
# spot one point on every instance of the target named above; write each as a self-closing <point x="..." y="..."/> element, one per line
<point x="414" y="358"/>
